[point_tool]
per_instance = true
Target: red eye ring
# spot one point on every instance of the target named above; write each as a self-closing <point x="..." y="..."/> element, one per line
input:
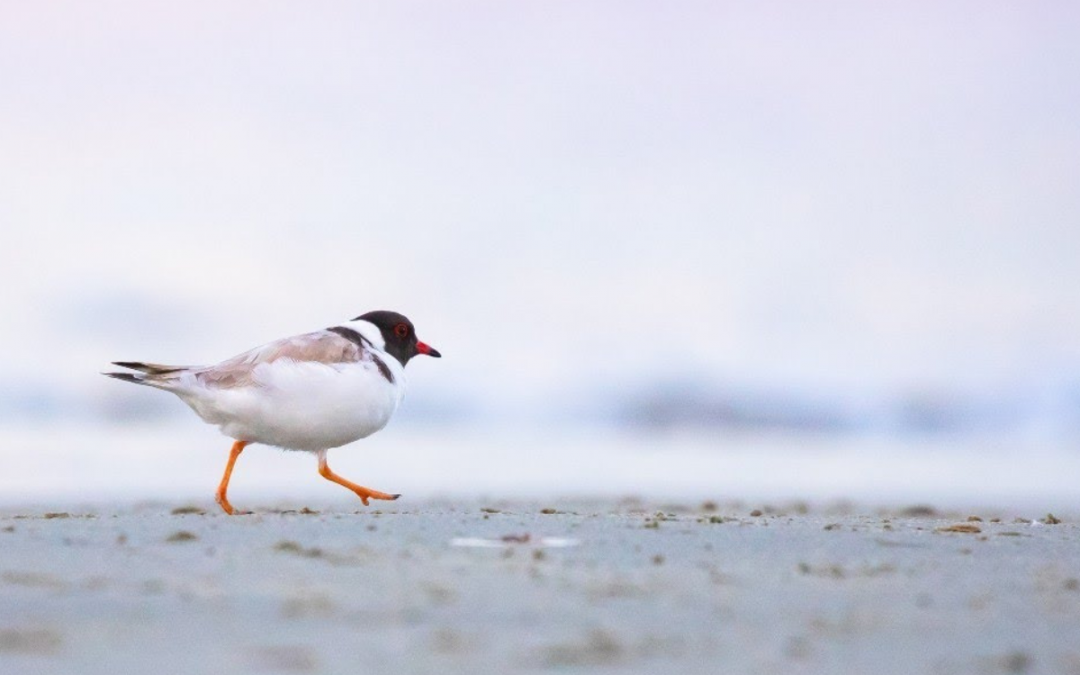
<point x="401" y="330"/>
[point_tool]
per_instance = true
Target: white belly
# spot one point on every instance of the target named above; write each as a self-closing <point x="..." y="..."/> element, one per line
<point x="303" y="406"/>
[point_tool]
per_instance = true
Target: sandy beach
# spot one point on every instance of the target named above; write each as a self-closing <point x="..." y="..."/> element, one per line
<point x="513" y="586"/>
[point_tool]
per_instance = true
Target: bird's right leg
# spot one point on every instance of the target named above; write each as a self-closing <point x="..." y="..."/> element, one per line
<point x="223" y="487"/>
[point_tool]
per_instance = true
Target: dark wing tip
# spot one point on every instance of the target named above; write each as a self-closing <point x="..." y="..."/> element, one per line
<point x="126" y="377"/>
<point x="148" y="368"/>
<point x="133" y="365"/>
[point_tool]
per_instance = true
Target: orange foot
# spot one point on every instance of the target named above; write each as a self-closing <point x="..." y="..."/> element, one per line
<point x="362" y="492"/>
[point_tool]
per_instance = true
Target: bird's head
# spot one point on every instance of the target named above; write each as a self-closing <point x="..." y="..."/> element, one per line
<point x="399" y="334"/>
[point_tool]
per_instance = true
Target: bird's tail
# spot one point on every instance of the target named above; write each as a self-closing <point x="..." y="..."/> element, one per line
<point x="150" y="374"/>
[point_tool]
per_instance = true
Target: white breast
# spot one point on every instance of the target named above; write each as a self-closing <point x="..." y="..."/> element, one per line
<point x="305" y="405"/>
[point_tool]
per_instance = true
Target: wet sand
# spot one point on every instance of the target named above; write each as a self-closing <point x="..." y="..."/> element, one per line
<point x="523" y="587"/>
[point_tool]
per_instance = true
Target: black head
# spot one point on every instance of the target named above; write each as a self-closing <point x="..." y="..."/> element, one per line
<point x="399" y="335"/>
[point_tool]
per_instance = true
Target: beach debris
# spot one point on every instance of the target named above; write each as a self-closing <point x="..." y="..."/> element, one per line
<point x="830" y="571"/>
<point x="653" y="522"/>
<point x="9" y="528"/>
<point x="919" y="511"/>
<point x="30" y="641"/>
<point x="1051" y="519"/>
<point x="709" y="506"/>
<point x="50" y="516"/>
<point x="511" y="540"/>
<point x="287" y="546"/>
<point x="335" y="558"/>
<point x="962" y="528"/>
<point x="599" y="648"/>
<point x="756" y="513"/>
<point x="188" y="510"/>
<point x="889" y="543"/>
<point x="488" y="509"/>
<point x="658" y="559"/>
<point x="181" y="536"/>
<point x="835" y="571"/>
<point x="974" y="519"/>
<point x="1016" y="662"/>
<point x="549" y="511"/>
<point x="33" y="580"/>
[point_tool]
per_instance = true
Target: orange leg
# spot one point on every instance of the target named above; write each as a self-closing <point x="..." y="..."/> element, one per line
<point x="362" y="492"/>
<point x="223" y="487"/>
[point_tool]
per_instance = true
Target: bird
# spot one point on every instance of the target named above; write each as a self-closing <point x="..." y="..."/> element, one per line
<point x="311" y="392"/>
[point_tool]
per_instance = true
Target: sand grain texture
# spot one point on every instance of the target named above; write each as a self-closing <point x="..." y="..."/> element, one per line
<point x="512" y="587"/>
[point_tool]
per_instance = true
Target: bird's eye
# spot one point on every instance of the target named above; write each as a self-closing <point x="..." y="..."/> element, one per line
<point x="401" y="330"/>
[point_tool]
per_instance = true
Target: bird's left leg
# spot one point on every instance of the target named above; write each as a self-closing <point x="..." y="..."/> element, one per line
<point x="362" y="492"/>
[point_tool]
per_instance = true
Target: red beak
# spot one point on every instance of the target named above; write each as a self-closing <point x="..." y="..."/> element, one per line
<point x="426" y="349"/>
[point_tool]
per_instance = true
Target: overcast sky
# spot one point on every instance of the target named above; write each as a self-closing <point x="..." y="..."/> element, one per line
<point x="836" y="195"/>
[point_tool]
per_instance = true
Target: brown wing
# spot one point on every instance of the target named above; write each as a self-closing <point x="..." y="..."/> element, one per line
<point x="319" y="347"/>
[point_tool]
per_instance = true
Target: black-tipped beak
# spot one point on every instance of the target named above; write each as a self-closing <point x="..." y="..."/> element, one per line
<point x="426" y="349"/>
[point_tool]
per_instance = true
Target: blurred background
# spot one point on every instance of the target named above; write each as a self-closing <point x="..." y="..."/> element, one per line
<point x="735" y="250"/>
